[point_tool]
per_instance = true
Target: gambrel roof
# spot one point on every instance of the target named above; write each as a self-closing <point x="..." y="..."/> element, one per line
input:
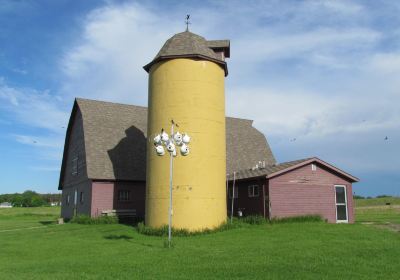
<point x="115" y="141"/>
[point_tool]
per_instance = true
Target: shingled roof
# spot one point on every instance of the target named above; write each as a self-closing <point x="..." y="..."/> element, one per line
<point x="270" y="171"/>
<point x="189" y="45"/>
<point x="115" y="141"/>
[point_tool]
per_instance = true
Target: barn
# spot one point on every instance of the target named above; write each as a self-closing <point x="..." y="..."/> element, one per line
<point x="104" y="168"/>
<point x="109" y="164"/>
<point x="104" y="160"/>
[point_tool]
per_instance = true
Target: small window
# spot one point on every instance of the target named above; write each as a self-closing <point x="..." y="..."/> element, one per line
<point x="313" y="167"/>
<point x="81" y="197"/>
<point x="230" y="192"/>
<point x="68" y="199"/>
<point x="124" y="195"/>
<point x="253" y="191"/>
<point x="75" y="166"/>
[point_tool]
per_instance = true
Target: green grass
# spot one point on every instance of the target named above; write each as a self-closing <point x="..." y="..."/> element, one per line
<point x="377" y="201"/>
<point x="375" y="210"/>
<point x="383" y="214"/>
<point x="292" y="250"/>
<point x="21" y="217"/>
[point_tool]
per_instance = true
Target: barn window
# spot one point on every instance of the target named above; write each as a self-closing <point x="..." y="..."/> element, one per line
<point x="313" y="167"/>
<point x="253" y="191"/>
<point x="75" y="166"/>
<point x="81" y="197"/>
<point x="124" y="195"/>
<point x="235" y="194"/>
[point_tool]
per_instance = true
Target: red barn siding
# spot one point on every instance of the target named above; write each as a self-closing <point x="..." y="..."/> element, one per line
<point x="305" y="192"/>
<point x="137" y="196"/>
<point x="105" y="197"/>
<point x="248" y="205"/>
<point x="102" y="197"/>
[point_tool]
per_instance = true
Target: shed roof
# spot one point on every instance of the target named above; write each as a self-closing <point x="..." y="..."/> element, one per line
<point x="274" y="170"/>
<point x="115" y="141"/>
<point x="189" y="45"/>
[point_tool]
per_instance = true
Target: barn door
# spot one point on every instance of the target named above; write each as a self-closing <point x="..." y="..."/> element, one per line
<point x="341" y="204"/>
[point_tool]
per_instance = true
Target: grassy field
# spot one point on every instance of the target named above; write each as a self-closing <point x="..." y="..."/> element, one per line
<point x="377" y="201"/>
<point x="376" y="210"/>
<point x="19" y="218"/>
<point x="278" y="251"/>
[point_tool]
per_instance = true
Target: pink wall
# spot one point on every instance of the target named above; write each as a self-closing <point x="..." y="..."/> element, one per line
<point x="102" y="197"/>
<point x="105" y="197"/>
<point x="306" y="192"/>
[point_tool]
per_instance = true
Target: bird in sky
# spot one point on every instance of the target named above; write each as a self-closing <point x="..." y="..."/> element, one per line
<point x="386" y="138"/>
<point x="292" y="140"/>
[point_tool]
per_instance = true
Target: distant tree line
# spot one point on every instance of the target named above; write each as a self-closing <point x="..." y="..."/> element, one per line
<point x="369" y="197"/>
<point x="31" y="199"/>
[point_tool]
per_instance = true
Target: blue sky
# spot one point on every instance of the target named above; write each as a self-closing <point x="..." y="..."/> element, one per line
<point x="325" y="73"/>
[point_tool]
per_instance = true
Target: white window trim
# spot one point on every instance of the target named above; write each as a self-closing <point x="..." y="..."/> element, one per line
<point x="252" y="188"/>
<point x="313" y="167"/>
<point x="345" y="204"/>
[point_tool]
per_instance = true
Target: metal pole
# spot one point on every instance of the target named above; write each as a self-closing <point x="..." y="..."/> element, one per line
<point x="233" y="195"/>
<point x="171" y="167"/>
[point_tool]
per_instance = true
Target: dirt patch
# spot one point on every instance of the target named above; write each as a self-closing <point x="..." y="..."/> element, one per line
<point x="387" y="226"/>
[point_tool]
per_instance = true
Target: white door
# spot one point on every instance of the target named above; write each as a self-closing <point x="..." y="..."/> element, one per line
<point x="341" y="204"/>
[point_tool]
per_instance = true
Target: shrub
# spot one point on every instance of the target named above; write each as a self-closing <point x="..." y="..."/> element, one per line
<point x="298" y="219"/>
<point x="86" y="220"/>
<point x="236" y="223"/>
<point x="254" y="220"/>
<point x="358" y="197"/>
<point x="163" y="231"/>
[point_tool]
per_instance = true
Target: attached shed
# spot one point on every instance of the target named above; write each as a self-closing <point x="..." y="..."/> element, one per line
<point x="297" y="188"/>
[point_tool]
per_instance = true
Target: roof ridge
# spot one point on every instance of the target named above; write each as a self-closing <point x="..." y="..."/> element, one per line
<point x="108" y="102"/>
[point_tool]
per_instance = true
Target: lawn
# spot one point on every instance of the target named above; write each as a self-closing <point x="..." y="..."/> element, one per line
<point x="377" y="201"/>
<point x="376" y="210"/>
<point x="278" y="251"/>
<point x="19" y="218"/>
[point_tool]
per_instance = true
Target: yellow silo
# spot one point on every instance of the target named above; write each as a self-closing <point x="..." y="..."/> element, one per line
<point x="186" y="84"/>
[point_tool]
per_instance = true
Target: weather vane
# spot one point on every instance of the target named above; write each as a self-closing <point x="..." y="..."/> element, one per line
<point x="187" y="22"/>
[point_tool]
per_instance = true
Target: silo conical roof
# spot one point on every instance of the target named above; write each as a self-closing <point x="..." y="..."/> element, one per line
<point x="188" y="45"/>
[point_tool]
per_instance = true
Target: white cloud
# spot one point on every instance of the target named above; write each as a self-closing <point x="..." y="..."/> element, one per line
<point x="107" y="61"/>
<point x="34" y="108"/>
<point x="297" y="112"/>
<point x="318" y="71"/>
<point x="386" y="63"/>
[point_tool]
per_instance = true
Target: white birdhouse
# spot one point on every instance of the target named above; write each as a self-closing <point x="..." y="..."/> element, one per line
<point x="170" y="147"/>
<point x="164" y="137"/>
<point x="160" y="150"/>
<point x="184" y="150"/>
<point x="157" y="139"/>
<point x="178" y="138"/>
<point x="186" y="138"/>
